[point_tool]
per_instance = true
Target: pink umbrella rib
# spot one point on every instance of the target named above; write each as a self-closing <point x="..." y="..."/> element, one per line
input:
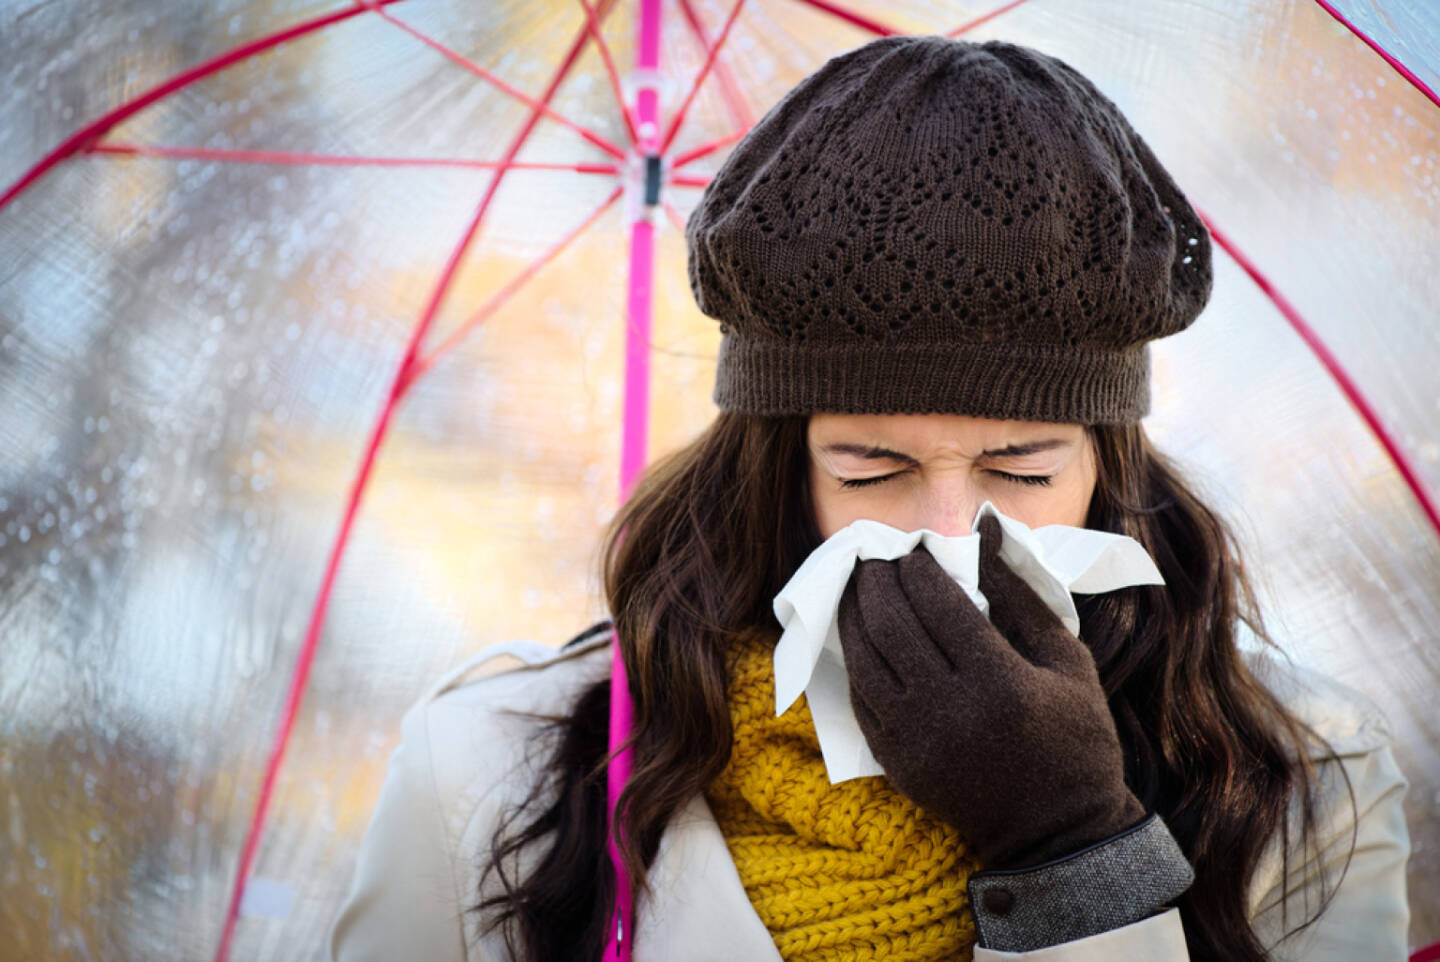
<point x="498" y="299"/>
<point x="96" y="129"/>
<point x="704" y="71"/>
<point x="461" y="60"/>
<point x="401" y="382"/>
<point x="1337" y="371"/>
<point x="851" y="17"/>
<point x="122" y="149"/>
<point x="706" y="149"/>
<point x="676" y="220"/>
<point x="734" y="99"/>
<point x="610" y="71"/>
<point x="1400" y="68"/>
<point x="983" y="18"/>
<point x="505" y="293"/>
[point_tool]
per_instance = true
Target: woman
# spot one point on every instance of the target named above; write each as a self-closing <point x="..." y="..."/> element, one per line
<point x="937" y="266"/>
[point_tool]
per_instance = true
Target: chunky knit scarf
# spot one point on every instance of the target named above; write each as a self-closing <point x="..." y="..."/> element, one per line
<point x="852" y="871"/>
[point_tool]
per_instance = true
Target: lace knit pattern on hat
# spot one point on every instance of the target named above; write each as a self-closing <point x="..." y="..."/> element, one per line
<point x="852" y="871"/>
<point x="927" y="224"/>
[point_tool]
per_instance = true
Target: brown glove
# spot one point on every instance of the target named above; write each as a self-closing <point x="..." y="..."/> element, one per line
<point x="1000" y="729"/>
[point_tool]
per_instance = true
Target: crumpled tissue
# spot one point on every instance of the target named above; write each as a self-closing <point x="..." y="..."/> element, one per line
<point x="1055" y="560"/>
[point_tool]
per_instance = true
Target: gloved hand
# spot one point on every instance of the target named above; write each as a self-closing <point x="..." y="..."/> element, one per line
<point x="1001" y="730"/>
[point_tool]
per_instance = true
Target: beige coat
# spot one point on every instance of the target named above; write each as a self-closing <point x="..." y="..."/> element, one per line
<point x="461" y="761"/>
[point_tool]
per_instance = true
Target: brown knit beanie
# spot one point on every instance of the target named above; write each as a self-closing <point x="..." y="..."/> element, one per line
<point x="930" y="225"/>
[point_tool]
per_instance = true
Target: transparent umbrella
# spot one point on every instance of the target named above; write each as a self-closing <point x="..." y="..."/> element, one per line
<point x="261" y="258"/>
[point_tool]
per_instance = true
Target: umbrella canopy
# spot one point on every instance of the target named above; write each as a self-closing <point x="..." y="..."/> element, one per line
<point x="260" y="257"/>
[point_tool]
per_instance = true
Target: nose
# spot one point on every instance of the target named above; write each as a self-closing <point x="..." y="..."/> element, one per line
<point x="949" y="507"/>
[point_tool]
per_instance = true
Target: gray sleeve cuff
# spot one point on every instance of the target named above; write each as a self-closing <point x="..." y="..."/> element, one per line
<point x="1112" y="883"/>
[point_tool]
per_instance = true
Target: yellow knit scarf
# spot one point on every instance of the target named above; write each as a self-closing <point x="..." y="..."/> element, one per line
<point x="852" y="871"/>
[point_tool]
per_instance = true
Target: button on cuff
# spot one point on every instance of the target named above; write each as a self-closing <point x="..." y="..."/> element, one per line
<point x="998" y="901"/>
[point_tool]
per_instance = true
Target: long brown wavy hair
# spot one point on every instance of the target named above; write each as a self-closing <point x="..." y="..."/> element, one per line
<point x="710" y="536"/>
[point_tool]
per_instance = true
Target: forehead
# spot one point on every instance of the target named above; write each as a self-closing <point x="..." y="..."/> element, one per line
<point x="915" y="433"/>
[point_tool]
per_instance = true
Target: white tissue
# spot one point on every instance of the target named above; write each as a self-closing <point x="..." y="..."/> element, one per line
<point x="1054" y="559"/>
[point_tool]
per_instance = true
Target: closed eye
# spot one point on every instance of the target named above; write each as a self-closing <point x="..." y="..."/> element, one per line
<point x="862" y="482"/>
<point x="1040" y="479"/>
<point x="1025" y="478"/>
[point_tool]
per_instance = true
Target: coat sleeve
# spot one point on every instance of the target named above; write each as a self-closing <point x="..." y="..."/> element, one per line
<point x="403" y="901"/>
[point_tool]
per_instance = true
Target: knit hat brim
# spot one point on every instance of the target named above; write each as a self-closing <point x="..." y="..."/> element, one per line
<point x="1002" y="380"/>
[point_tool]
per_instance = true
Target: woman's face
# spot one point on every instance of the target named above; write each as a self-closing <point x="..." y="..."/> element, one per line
<point x="914" y="471"/>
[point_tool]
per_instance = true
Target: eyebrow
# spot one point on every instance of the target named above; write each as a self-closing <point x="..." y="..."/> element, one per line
<point x="874" y="453"/>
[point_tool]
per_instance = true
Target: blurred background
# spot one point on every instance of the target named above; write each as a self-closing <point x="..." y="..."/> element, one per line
<point x="194" y="350"/>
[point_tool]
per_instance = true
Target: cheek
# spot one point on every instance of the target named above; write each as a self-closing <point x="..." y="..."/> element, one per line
<point x="1063" y="504"/>
<point x="1067" y="501"/>
<point x="834" y="511"/>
